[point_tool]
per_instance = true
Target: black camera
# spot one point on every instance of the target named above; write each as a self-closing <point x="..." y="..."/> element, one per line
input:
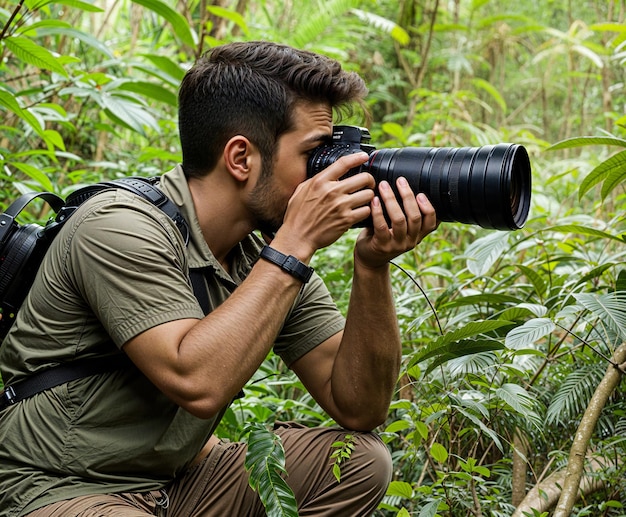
<point x="489" y="185"/>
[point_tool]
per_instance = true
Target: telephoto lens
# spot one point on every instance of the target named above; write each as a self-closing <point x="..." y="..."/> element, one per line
<point x="489" y="186"/>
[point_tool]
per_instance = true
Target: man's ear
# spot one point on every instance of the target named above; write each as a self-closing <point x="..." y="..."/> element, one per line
<point x="240" y="157"/>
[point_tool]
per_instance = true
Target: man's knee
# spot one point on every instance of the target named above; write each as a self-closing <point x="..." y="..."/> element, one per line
<point x="372" y="462"/>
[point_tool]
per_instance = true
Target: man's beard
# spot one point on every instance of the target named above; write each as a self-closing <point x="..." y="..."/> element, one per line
<point x="266" y="205"/>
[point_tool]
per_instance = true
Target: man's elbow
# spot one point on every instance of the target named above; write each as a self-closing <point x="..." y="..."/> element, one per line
<point x="203" y="409"/>
<point x="200" y="404"/>
<point x="362" y="422"/>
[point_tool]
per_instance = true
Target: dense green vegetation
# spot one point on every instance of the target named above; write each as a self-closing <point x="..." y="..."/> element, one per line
<point x="511" y="393"/>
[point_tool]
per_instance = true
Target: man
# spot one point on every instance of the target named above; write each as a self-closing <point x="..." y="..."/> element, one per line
<point x="138" y="440"/>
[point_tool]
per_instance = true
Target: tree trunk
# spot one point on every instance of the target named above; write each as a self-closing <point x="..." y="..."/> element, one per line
<point x="545" y="495"/>
<point x="520" y="453"/>
<point x="567" y="486"/>
<point x="576" y="462"/>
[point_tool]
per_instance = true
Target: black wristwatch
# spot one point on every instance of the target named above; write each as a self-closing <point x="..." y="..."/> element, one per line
<point x="288" y="263"/>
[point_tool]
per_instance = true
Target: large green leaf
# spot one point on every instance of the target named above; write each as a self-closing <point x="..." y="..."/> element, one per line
<point x="584" y="230"/>
<point x="10" y="103"/>
<point x="35" y="174"/>
<point x="227" y="14"/>
<point x="128" y="113"/>
<point x="78" y="4"/>
<point x="516" y="397"/>
<point x="486" y="430"/>
<point x="176" y="20"/>
<point x="487" y="298"/>
<point x="613" y="180"/>
<point x="529" y="333"/>
<point x="491" y="90"/>
<point x="455" y="343"/>
<point x="483" y="253"/>
<point x="28" y="51"/>
<point x="443" y="353"/>
<point x="587" y="140"/>
<point x="471" y="329"/>
<point x="613" y="165"/>
<point x="400" y="489"/>
<point x="265" y="462"/>
<point x="429" y="509"/>
<point x="151" y="90"/>
<point x="539" y="284"/>
<point x="596" y="272"/>
<point x="168" y="66"/>
<point x="72" y="33"/>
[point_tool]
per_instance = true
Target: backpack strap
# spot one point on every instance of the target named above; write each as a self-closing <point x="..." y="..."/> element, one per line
<point x="63" y="373"/>
<point x="199" y="289"/>
<point x="56" y="375"/>
<point x="142" y="187"/>
<point x="56" y="202"/>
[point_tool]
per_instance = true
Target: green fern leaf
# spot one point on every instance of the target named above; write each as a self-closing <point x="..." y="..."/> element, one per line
<point x="574" y="394"/>
<point x="385" y="25"/>
<point x="318" y="19"/>
<point x="609" y="308"/>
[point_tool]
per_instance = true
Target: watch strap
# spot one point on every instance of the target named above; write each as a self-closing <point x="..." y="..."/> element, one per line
<point x="287" y="263"/>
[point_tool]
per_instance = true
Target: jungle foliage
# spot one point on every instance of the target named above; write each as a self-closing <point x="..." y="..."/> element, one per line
<point x="510" y="400"/>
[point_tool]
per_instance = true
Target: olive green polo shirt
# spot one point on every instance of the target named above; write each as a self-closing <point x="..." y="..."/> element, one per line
<point x="117" y="268"/>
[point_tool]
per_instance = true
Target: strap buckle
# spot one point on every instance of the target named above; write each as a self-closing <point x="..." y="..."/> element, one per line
<point x="7" y="397"/>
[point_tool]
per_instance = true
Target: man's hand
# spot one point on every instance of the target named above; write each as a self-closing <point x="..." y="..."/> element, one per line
<point x="410" y="223"/>
<point x="323" y="208"/>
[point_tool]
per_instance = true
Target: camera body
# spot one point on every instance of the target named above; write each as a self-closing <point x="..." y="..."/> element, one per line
<point x="489" y="185"/>
<point x="345" y="140"/>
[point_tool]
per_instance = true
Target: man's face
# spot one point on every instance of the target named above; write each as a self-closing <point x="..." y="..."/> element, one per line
<point x="268" y="200"/>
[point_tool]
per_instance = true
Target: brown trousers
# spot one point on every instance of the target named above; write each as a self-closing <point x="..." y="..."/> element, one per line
<point x="218" y="486"/>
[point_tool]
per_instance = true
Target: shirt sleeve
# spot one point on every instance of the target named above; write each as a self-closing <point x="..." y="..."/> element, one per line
<point x="128" y="261"/>
<point x="313" y="319"/>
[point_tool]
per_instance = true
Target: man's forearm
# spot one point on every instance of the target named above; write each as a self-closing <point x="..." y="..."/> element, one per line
<point x="368" y="360"/>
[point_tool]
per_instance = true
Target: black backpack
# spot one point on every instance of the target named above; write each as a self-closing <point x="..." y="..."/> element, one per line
<point x="22" y="248"/>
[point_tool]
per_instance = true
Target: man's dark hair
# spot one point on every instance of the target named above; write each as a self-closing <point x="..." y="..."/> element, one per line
<point x="250" y="88"/>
